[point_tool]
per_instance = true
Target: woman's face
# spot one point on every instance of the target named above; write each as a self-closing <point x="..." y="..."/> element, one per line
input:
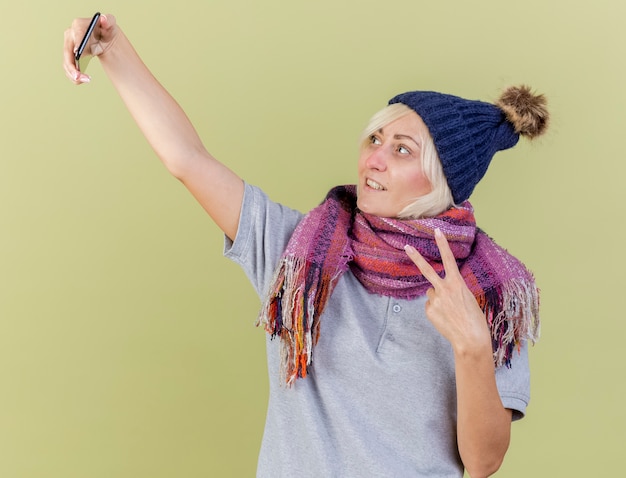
<point x="390" y="167"/>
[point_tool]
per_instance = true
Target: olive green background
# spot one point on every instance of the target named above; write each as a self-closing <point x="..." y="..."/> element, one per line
<point x="127" y="344"/>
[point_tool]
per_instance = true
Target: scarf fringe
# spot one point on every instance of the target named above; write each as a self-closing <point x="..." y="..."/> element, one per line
<point x="295" y="322"/>
<point x="512" y="312"/>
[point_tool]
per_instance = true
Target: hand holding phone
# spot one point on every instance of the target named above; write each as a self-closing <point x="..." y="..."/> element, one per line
<point x="83" y="61"/>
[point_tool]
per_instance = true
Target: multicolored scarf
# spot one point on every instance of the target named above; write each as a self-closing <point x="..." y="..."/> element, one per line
<point x="336" y="236"/>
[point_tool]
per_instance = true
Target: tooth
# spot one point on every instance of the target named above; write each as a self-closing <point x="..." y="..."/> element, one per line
<point x="374" y="185"/>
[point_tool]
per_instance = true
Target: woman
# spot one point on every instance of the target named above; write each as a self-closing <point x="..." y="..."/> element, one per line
<point x="401" y="329"/>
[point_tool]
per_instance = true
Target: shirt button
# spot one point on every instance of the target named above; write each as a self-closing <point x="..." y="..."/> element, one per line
<point x="396" y="308"/>
<point x="391" y="338"/>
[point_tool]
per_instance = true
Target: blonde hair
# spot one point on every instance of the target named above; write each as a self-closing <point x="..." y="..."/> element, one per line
<point x="439" y="199"/>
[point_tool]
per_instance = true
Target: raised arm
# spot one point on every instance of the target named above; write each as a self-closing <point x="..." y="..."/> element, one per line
<point x="162" y="121"/>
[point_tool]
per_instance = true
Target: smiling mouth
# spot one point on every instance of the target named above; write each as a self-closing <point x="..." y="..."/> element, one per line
<point x="374" y="185"/>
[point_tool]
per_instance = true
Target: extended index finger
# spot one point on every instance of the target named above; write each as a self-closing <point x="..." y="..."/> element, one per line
<point x="447" y="256"/>
<point x="425" y="268"/>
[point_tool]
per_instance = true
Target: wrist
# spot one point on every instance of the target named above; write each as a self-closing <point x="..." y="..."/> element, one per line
<point x="473" y="348"/>
<point x="111" y="48"/>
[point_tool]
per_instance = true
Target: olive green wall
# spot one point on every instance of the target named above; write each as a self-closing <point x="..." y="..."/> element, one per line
<point x="127" y="345"/>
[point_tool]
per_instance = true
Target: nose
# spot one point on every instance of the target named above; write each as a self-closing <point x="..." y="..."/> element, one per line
<point x="377" y="159"/>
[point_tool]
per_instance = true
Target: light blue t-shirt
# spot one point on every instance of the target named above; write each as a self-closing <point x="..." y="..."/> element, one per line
<point x="380" y="399"/>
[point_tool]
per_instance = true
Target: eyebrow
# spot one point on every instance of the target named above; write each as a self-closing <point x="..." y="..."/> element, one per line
<point x="402" y="136"/>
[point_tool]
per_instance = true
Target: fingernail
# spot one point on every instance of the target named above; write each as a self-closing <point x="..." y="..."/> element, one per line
<point x="85" y="79"/>
<point x="438" y="232"/>
<point x="409" y="248"/>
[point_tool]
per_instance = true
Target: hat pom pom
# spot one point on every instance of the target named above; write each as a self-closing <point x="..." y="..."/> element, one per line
<point x="526" y="111"/>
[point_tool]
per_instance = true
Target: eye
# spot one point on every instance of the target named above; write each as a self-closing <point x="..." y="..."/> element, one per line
<point x="374" y="139"/>
<point x="403" y="150"/>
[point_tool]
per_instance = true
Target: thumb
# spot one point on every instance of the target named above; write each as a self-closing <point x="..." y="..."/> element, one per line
<point x="106" y="35"/>
<point x="107" y="21"/>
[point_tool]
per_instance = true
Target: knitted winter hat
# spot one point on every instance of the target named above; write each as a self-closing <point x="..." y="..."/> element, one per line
<point x="467" y="133"/>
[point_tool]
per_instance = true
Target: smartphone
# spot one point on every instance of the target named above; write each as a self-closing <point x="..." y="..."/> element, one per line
<point x="81" y="63"/>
